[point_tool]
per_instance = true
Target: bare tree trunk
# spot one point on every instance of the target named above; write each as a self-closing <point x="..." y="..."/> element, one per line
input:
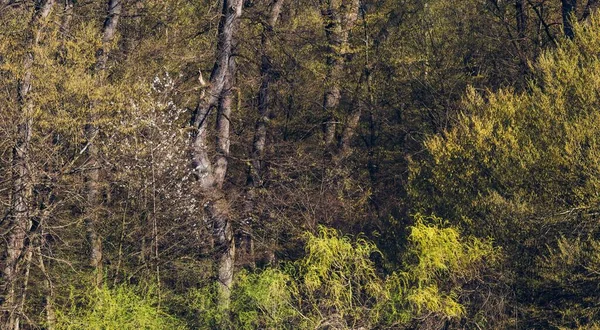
<point x="223" y="126"/>
<point x="201" y="163"/>
<point x="218" y="210"/>
<point x="568" y="14"/>
<point x="24" y="285"/>
<point x="49" y="296"/>
<point x="521" y="18"/>
<point x="91" y="130"/>
<point x="339" y="20"/>
<point x="20" y="222"/>
<point x="354" y="117"/>
<point x="256" y="168"/>
<point x="351" y="122"/>
<point x="210" y="177"/>
<point x="67" y="17"/>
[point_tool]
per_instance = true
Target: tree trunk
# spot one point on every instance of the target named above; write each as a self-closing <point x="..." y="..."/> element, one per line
<point x="256" y="168"/>
<point x="352" y="122"/>
<point x="568" y="14"/>
<point x="521" y="18"/>
<point x="201" y="163"/>
<point x="91" y="131"/>
<point x="339" y="20"/>
<point x="20" y="222"/>
<point x="210" y="177"/>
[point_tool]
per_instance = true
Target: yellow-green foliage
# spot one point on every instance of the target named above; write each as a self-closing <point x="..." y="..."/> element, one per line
<point x="439" y="262"/>
<point x="337" y="284"/>
<point x="338" y="276"/>
<point x="571" y="268"/>
<point x="443" y="256"/>
<point x="443" y="251"/>
<point x="514" y="155"/>
<point x="264" y="300"/>
<point x="121" y="307"/>
<point x="523" y="168"/>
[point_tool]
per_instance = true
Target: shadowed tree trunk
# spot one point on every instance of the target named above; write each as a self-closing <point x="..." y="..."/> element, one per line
<point x="339" y="17"/>
<point x="521" y="17"/>
<point x="568" y="14"/>
<point x="256" y="168"/>
<point x="91" y="131"/>
<point x="210" y="177"/>
<point x="20" y="221"/>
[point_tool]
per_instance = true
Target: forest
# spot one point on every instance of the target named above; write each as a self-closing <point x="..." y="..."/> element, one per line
<point x="299" y="164"/>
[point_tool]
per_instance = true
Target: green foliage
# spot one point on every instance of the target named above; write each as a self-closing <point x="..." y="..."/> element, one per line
<point x="514" y="155"/>
<point x="443" y="251"/>
<point x="524" y="169"/>
<point x="443" y="256"/>
<point x="264" y="300"/>
<point x="439" y="264"/>
<point x="122" y="307"/>
<point x="338" y="277"/>
<point x="198" y="307"/>
<point x="570" y="271"/>
<point x="336" y="284"/>
<point x="519" y="166"/>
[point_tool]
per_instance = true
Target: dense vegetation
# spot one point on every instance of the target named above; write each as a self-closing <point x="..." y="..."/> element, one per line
<point x="276" y="164"/>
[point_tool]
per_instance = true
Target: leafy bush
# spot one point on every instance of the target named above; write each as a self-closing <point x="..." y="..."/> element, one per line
<point x="524" y="168"/>
<point x="439" y="266"/>
<point x="569" y="275"/>
<point x="337" y="285"/>
<point x="122" y="307"/>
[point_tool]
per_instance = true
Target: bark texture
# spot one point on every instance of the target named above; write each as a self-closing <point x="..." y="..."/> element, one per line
<point x="109" y="30"/>
<point x="211" y="176"/>
<point x="340" y="17"/>
<point x="19" y="217"/>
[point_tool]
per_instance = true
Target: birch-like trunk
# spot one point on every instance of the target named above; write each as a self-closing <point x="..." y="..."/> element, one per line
<point x="210" y="177"/>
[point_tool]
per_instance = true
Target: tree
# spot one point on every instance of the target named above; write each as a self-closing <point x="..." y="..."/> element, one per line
<point x="109" y="30"/>
<point x="21" y="203"/>
<point x="210" y="177"/>
<point x="339" y="18"/>
<point x="522" y="168"/>
<point x="257" y="166"/>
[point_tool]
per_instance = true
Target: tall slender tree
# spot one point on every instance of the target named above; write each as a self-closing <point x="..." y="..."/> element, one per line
<point x="109" y="30"/>
<point x="339" y="18"/>
<point x="20" y="220"/>
<point x="210" y="176"/>
<point x="256" y="168"/>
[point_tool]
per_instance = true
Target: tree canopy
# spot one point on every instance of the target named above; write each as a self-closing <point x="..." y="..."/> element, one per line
<point x="252" y="164"/>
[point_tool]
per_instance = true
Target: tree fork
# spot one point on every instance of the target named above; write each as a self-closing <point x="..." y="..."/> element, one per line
<point x="210" y="177"/>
